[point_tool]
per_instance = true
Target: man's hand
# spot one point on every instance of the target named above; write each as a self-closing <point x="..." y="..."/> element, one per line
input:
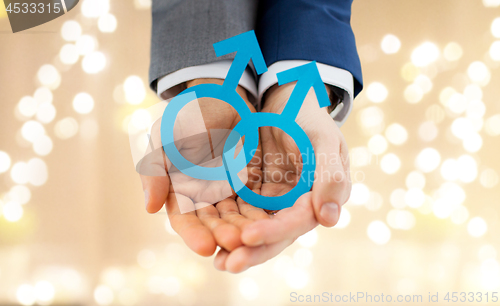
<point x="282" y="166"/>
<point x="204" y="228"/>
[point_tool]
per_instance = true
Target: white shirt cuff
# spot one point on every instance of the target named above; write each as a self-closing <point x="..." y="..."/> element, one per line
<point x="170" y="85"/>
<point x="330" y="75"/>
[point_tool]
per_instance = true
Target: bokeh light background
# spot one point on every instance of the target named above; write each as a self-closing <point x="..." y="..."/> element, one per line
<point x="424" y="141"/>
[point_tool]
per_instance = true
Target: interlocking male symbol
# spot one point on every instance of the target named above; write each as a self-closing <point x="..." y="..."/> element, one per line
<point x="247" y="48"/>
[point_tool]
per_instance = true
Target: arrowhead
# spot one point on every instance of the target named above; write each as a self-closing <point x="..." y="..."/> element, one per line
<point x="245" y="44"/>
<point x="307" y="76"/>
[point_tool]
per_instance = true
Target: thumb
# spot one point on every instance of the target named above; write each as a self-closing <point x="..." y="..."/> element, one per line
<point x="332" y="186"/>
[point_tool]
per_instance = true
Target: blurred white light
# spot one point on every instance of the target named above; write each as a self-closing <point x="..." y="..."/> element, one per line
<point x="428" y="160"/>
<point x="26" y="295"/>
<point x="462" y="127"/>
<point x="142" y="4"/>
<point x="27" y="106"/>
<point x="414" y="197"/>
<point x="413" y="93"/>
<point x="446" y="94"/>
<point x="249" y="289"/>
<point x="390" y="44"/>
<point x="377" y="144"/>
<point x="4" y="162"/>
<point x="475" y="109"/>
<point x="397" y="198"/>
<point x="424" y="54"/>
<point x="468" y="168"/>
<point x="489" y="178"/>
<point x="376" y="92"/>
<point x="38" y="173"/>
<point x="457" y="103"/>
<point x="43" y="95"/>
<point x="493" y="125"/>
<point x="450" y="170"/>
<point x="95" y="8"/>
<point x="491" y="3"/>
<point x="83" y="103"/>
<point x="452" y="193"/>
<point x="141" y="119"/>
<point x="48" y="75"/>
<point x="495" y="51"/>
<point x="495" y="27"/>
<point x="31" y="130"/>
<point x="396" y="134"/>
<point x="459" y="215"/>
<point x="452" y="52"/>
<point x="43" y="145"/>
<point x="345" y="218"/>
<point x="69" y="54"/>
<point x="44" y="292"/>
<point x="12" y="211"/>
<point x="428" y="131"/>
<point x="415" y="179"/>
<point x="20" y="173"/>
<point x="304" y="257"/>
<point x="473" y="92"/>
<point x="46" y="113"/>
<point x="103" y="295"/>
<point x="359" y="194"/>
<point x="390" y="163"/>
<point x="472" y="142"/>
<point x="20" y="194"/>
<point x="423" y="82"/>
<point x="442" y="208"/>
<point x="66" y="128"/>
<point x="478" y="71"/>
<point x="297" y="278"/>
<point x="71" y="30"/>
<point x="378" y="232"/>
<point x="477" y="227"/>
<point x="86" y="44"/>
<point x="107" y="23"/>
<point x="309" y="239"/>
<point x="135" y="91"/>
<point x="94" y="62"/>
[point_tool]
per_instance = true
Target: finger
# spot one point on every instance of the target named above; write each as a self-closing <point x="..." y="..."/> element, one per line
<point x="155" y="192"/>
<point x="245" y="257"/>
<point x="226" y="235"/>
<point x="220" y="260"/>
<point x="331" y="186"/>
<point x="196" y="235"/>
<point x="288" y="223"/>
<point x="251" y="212"/>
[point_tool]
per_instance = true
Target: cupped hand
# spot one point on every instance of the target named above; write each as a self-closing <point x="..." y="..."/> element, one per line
<point x="282" y="166"/>
<point x="201" y="225"/>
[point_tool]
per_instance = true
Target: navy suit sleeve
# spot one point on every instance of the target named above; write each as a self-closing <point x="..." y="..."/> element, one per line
<point x="314" y="30"/>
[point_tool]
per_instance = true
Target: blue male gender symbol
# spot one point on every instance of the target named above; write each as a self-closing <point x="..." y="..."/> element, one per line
<point x="247" y="48"/>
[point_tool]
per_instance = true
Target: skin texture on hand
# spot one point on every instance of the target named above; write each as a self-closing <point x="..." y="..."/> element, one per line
<point x="205" y="228"/>
<point x="266" y="238"/>
<point x="247" y="235"/>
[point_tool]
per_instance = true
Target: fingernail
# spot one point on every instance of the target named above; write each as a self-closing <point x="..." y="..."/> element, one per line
<point x="330" y="212"/>
<point x="146" y="198"/>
